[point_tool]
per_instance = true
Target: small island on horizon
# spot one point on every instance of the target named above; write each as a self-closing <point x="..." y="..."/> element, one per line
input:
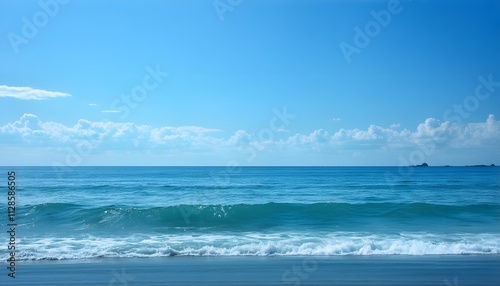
<point x="427" y="165"/>
<point x="421" y="165"/>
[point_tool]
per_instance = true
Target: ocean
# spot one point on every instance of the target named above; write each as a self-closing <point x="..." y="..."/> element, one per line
<point x="117" y="212"/>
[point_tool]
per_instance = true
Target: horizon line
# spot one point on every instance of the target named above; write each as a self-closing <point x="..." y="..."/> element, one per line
<point x="85" y="166"/>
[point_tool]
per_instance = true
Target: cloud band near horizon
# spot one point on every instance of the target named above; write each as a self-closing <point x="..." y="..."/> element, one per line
<point x="30" y="130"/>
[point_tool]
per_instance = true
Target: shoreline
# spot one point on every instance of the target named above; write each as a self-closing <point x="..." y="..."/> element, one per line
<point x="262" y="270"/>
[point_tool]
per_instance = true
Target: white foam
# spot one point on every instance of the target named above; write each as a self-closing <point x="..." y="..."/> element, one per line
<point x="257" y="245"/>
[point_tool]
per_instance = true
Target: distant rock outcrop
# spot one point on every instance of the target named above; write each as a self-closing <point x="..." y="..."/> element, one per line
<point x="421" y="165"/>
<point x="426" y="165"/>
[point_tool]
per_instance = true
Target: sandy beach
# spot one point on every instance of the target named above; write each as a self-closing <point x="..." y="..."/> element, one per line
<point x="341" y="270"/>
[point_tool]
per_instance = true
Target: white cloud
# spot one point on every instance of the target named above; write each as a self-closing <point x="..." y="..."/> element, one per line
<point x="336" y="119"/>
<point x="317" y="136"/>
<point x="240" y="138"/>
<point x="27" y="124"/>
<point x="92" y="104"/>
<point x="111" y="111"/>
<point x="28" y="93"/>
<point x="374" y="133"/>
<point x="32" y="131"/>
<point x="192" y="135"/>
<point x="442" y="134"/>
<point x="29" y="127"/>
<point x="458" y="135"/>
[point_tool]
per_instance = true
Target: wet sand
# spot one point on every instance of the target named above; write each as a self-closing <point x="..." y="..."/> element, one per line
<point x="338" y="270"/>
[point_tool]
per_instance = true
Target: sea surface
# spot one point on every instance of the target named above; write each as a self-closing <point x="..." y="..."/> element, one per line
<point x="94" y="212"/>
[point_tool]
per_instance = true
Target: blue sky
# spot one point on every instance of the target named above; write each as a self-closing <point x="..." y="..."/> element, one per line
<point x="209" y="78"/>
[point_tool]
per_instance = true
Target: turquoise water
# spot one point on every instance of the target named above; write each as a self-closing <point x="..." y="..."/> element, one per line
<point x="92" y="212"/>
